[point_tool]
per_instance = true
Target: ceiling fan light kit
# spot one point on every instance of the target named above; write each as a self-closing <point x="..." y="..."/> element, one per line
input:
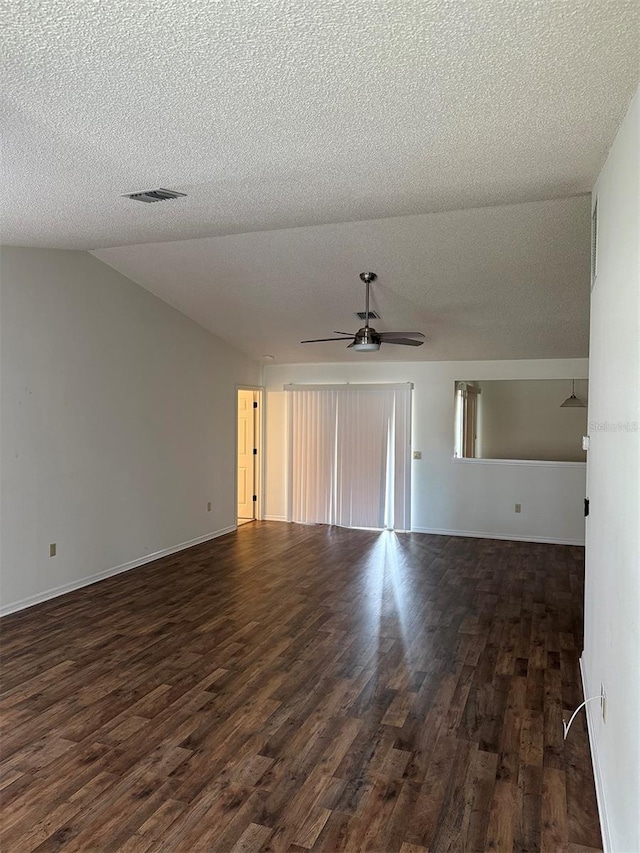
<point x="367" y="339"/>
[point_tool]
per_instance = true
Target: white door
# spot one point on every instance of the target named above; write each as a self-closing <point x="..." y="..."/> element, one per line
<point x="246" y="457"/>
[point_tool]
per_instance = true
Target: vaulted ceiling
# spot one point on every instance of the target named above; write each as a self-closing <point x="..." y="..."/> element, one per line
<point x="280" y="120"/>
<point x="500" y="282"/>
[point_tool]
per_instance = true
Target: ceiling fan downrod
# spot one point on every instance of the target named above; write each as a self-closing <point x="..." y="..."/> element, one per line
<point x="367" y="277"/>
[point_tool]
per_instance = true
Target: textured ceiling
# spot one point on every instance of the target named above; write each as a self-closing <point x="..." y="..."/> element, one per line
<point x="280" y="113"/>
<point x="490" y="283"/>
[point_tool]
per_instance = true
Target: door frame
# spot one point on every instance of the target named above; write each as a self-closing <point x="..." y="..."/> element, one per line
<point x="259" y="432"/>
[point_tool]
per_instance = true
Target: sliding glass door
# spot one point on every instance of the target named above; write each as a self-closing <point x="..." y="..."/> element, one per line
<point x="350" y="455"/>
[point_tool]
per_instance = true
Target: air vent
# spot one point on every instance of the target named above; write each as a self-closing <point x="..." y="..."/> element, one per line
<point x="363" y="315"/>
<point x="150" y="196"/>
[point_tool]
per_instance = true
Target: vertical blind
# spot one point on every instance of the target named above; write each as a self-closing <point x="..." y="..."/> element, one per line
<point x="350" y="455"/>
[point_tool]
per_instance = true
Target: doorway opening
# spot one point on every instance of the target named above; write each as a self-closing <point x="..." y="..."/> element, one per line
<point x="249" y="455"/>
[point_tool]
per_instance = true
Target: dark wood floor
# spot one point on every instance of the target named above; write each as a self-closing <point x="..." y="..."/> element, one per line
<point x="290" y="688"/>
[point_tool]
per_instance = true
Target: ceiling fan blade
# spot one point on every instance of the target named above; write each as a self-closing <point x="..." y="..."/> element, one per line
<point x="405" y="342"/>
<point x="349" y="334"/>
<point x="321" y="340"/>
<point x="386" y="335"/>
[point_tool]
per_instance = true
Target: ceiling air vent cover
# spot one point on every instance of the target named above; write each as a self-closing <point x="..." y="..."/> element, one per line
<point x="150" y="196"/>
<point x="363" y="315"/>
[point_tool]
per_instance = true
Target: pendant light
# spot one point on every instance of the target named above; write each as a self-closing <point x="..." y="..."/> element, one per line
<point x="573" y="402"/>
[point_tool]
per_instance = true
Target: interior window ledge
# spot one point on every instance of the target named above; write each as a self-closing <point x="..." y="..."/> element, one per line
<point x="531" y="462"/>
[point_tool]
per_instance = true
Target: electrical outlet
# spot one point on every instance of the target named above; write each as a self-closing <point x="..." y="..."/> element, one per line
<point x="53" y="548"/>
<point x="518" y="508"/>
<point x="417" y="454"/>
<point x="208" y="506"/>
<point x="603" y="703"/>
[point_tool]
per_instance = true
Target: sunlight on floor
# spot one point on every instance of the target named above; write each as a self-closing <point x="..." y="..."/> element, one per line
<point x="388" y="595"/>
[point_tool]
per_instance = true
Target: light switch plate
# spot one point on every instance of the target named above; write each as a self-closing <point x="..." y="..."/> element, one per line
<point x="417" y="454"/>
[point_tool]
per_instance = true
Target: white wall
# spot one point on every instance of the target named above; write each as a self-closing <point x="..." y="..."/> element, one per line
<point x="118" y="423"/>
<point x="462" y="497"/>
<point x="612" y="602"/>
<point x="524" y="420"/>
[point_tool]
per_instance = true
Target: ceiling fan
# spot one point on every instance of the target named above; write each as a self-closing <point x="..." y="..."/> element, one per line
<point x="367" y="339"/>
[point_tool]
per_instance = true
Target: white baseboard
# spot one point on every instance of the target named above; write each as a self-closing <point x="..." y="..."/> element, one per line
<point x="107" y="573"/>
<point x="474" y="534"/>
<point x="590" y="709"/>
<point x="275" y="518"/>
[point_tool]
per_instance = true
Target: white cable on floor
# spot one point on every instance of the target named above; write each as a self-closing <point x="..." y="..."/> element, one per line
<point x="567" y="726"/>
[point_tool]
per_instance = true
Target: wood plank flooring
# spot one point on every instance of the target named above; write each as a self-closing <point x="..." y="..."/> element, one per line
<point x="293" y="688"/>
